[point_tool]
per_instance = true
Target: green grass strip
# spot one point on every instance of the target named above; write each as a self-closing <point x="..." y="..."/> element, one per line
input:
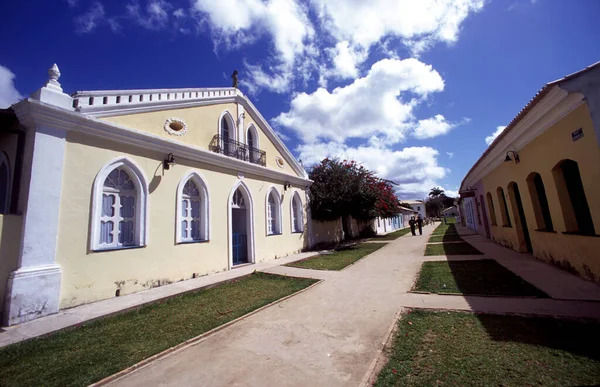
<point x="464" y="349"/>
<point x="338" y="259"/>
<point x="93" y="351"/>
<point x="452" y="249"/>
<point x="394" y="235"/>
<point x="445" y="238"/>
<point x="482" y="277"/>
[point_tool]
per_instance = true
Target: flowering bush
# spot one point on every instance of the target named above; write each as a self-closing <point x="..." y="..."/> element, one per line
<point x="343" y="188"/>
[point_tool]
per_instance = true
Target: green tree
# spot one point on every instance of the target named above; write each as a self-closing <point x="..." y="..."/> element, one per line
<point x="345" y="188"/>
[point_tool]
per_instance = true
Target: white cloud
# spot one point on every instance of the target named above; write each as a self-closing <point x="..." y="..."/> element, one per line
<point x="346" y="60"/>
<point x="419" y="23"/>
<point x="94" y="17"/>
<point x="414" y="169"/>
<point x="72" y="3"/>
<point x="88" y="21"/>
<point x="380" y="103"/>
<point x="237" y="22"/>
<point x="285" y="21"/>
<point x="450" y="154"/>
<point x="153" y="17"/>
<point x="492" y="137"/>
<point x="8" y="93"/>
<point x="179" y="13"/>
<point x="432" y="127"/>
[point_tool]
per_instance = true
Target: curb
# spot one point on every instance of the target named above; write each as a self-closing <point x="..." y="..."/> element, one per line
<point x="190" y="342"/>
<point x="381" y="359"/>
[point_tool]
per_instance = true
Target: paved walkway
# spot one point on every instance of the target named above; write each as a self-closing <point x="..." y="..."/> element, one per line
<point x="326" y="336"/>
<point x="73" y="316"/>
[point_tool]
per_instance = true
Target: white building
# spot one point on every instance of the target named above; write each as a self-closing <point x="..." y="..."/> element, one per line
<point x="418" y="206"/>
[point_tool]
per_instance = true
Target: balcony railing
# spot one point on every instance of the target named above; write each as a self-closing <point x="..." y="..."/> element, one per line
<point x="232" y="148"/>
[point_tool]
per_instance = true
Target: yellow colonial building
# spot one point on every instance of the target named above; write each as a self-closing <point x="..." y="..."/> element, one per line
<point x="105" y="193"/>
<point x="536" y="188"/>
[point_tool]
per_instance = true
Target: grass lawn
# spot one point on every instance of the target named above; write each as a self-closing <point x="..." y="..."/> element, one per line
<point x="445" y="238"/>
<point x="445" y="229"/>
<point x="339" y="259"/>
<point x="485" y="277"/>
<point x="464" y="349"/>
<point x="86" y="354"/>
<point x="451" y="249"/>
<point x="394" y="235"/>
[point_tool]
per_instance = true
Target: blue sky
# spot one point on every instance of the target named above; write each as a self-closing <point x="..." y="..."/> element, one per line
<point x="409" y="88"/>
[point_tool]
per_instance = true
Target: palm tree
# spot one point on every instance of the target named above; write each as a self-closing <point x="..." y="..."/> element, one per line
<point x="436" y="192"/>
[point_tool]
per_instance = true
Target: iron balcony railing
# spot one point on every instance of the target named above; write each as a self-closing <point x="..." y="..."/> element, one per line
<point x="233" y="148"/>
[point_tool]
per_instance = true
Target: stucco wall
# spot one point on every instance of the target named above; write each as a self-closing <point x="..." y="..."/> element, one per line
<point x="326" y="232"/>
<point x="202" y="124"/>
<point x="10" y="237"/>
<point x="541" y="155"/>
<point x="90" y="276"/>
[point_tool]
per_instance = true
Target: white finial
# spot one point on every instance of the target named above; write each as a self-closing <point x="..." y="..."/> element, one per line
<point x="53" y="75"/>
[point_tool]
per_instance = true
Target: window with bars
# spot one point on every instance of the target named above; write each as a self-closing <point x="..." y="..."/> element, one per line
<point x="192" y="212"/>
<point x="191" y="222"/>
<point x="118" y="214"/>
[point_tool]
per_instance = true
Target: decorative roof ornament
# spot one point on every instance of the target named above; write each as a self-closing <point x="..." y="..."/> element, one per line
<point x="234" y="77"/>
<point x="53" y="75"/>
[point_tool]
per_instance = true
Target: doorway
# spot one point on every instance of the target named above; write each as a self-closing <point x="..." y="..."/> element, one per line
<point x="521" y="226"/>
<point x="241" y="228"/>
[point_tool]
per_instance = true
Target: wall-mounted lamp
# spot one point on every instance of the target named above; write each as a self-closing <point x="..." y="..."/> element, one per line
<point x="168" y="162"/>
<point x="286" y="185"/>
<point x="515" y="155"/>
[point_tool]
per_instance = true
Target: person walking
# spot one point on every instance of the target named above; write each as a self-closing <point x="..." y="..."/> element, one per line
<point x="412" y="223"/>
<point x="420" y="224"/>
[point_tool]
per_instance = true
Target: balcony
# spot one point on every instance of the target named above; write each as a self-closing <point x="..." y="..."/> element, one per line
<point x="240" y="151"/>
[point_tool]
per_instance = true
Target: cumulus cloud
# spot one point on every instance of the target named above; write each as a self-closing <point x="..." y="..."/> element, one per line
<point x="8" y="93"/>
<point x="285" y="21"/>
<point x="489" y="139"/>
<point x="414" y="169"/>
<point x="346" y="60"/>
<point x="375" y="104"/>
<point x="450" y="154"/>
<point x="418" y="23"/>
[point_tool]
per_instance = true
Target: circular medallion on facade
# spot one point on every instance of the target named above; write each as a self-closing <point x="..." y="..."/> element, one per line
<point x="175" y="126"/>
<point x="279" y="161"/>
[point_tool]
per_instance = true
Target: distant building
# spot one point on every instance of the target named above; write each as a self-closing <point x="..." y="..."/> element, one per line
<point x="450" y="211"/>
<point x="385" y="225"/>
<point x="418" y="206"/>
<point x="536" y="188"/>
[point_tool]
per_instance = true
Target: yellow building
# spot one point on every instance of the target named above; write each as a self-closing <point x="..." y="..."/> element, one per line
<point x="538" y="183"/>
<point x="105" y="193"/>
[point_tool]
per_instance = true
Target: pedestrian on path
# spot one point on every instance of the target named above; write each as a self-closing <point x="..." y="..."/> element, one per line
<point x="412" y="223"/>
<point x="420" y="224"/>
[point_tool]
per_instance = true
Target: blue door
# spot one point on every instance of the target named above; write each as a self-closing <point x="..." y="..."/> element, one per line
<point x="240" y="248"/>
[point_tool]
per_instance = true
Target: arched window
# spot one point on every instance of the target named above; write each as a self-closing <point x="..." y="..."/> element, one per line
<point x="537" y="192"/>
<point x="503" y="207"/>
<point x="573" y="201"/>
<point x="227" y="134"/>
<point x="491" y="209"/>
<point x="119" y="207"/>
<point x="273" y="212"/>
<point x="297" y="214"/>
<point x="253" y="145"/>
<point x="192" y="211"/>
<point x="4" y="184"/>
